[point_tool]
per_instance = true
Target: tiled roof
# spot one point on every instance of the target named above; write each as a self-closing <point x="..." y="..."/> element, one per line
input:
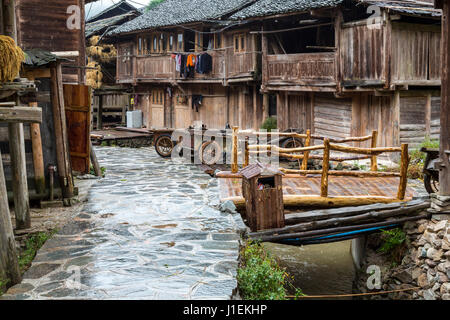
<point x="98" y="26"/>
<point x="262" y="8"/>
<point x="175" y="12"/>
<point x="271" y="7"/>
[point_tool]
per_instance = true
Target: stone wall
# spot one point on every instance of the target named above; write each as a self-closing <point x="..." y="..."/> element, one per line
<point x="425" y="263"/>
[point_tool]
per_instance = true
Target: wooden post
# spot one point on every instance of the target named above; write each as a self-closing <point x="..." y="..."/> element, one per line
<point x="325" y="168"/>
<point x="444" y="165"/>
<point x="404" y="162"/>
<point x="59" y="118"/>
<point x="304" y="165"/>
<point x="373" y="159"/>
<point x="234" y="151"/>
<point x="38" y="156"/>
<point x="265" y="107"/>
<point x="19" y="175"/>
<point x="247" y="153"/>
<point x="94" y="161"/>
<point x="9" y="267"/>
<point x="100" y="113"/>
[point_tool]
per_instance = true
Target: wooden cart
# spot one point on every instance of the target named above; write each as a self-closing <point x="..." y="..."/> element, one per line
<point x="206" y="147"/>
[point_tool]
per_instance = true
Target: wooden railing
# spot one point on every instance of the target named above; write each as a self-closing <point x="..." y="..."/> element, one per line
<point x="328" y="146"/>
<point x="302" y="69"/>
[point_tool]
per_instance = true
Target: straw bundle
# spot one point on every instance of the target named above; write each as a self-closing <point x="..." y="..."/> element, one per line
<point x="102" y="53"/>
<point x="11" y="58"/>
<point x="94" y="77"/>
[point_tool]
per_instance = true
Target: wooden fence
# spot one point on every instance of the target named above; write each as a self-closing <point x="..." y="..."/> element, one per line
<point x="327" y="147"/>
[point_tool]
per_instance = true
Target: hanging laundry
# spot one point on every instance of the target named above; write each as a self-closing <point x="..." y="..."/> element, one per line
<point x="190" y="66"/>
<point x="196" y="101"/>
<point x="205" y="64"/>
<point x="178" y="62"/>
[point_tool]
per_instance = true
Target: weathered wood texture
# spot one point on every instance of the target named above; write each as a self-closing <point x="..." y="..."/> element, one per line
<point x="9" y="267"/>
<point x="386" y="187"/>
<point x="361" y="54"/>
<point x="332" y="116"/>
<point x="43" y="25"/>
<point x="301" y="69"/>
<point x="20" y="114"/>
<point x="444" y="173"/>
<point x="19" y="175"/>
<point x="415" y="53"/>
<point x="77" y="104"/>
<point x="264" y="208"/>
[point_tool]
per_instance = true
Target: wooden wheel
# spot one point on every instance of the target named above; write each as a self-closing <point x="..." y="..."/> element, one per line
<point x="431" y="183"/>
<point x="164" y="145"/>
<point x="210" y="153"/>
<point x="292" y="143"/>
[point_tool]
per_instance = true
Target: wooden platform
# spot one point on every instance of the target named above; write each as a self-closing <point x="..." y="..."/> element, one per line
<point x="114" y="134"/>
<point x="369" y="189"/>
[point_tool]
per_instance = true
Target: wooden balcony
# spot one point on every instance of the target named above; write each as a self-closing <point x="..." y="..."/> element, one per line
<point x="303" y="69"/>
<point x="161" y="68"/>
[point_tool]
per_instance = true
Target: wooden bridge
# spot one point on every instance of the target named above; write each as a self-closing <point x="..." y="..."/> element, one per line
<point x="379" y="200"/>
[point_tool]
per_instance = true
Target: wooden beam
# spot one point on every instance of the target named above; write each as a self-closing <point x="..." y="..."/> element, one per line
<point x="20" y="114"/>
<point x="304" y="165"/>
<point x="373" y="159"/>
<point x="325" y="168"/>
<point x="234" y="151"/>
<point x="38" y="156"/>
<point x="19" y="175"/>
<point x="9" y="267"/>
<point x="59" y="118"/>
<point x="403" y="172"/>
<point x="444" y="170"/>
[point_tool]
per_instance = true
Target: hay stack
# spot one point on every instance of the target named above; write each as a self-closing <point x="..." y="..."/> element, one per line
<point x="11" y="58"/>
<point x="94" y="77"/>
<point x="102" y="53"/>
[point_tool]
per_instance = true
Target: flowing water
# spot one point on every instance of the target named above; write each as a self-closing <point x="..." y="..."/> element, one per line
<point x="321" y="269"/>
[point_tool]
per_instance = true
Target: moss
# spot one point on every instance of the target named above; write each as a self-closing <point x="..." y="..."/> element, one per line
<point x="33" y="243"/>
<point x="260" y="277"/>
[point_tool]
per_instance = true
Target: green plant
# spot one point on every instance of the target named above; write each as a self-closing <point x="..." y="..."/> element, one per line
<point x="270" y="124"/>
<point x="92" y="171"/>
<point x="393" y="243"/>
<point x="260" y="277"/>
<point x="32" y="245"/>
<point x="3" y="285"/>
<point x="153" y="4"/>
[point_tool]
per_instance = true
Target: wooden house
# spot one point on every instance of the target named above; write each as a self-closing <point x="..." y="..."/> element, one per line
<point x="111" y="100"/>
<point x="54" y="66"/>
<point x="345" y="68"/>
<point x="147" y="51"/>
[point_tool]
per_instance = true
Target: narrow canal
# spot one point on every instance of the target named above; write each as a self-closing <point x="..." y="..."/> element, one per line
<point x="320" y="269"/>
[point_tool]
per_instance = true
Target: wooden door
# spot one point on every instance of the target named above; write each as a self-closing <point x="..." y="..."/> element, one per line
<point x="77" y="101"/>
<point x="157" y="109"/>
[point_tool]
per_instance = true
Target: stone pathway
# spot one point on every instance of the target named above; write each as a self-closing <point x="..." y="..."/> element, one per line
<point x="150" y="230"/>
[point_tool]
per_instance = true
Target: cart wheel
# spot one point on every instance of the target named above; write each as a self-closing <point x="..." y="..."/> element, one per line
<point x="292" y="143"/>
<point x="210" y="153"/>
<point x="164" y="145"/>
<point x="431" y="183"/>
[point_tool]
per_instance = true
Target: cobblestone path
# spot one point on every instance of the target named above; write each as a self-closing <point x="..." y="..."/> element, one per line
<point x="150" y="230"/>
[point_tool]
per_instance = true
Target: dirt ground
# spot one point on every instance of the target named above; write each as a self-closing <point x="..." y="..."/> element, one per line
<point x="49" y="219"/>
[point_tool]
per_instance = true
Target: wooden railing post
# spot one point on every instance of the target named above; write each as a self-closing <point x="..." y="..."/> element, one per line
<point x="234" y="151"/>
<point x="325" y="168"/>
<point x="373" y="159"/>
<point x="306" y="153"/>
<point x="247" y="153"/>
<point x="403" y="172"/>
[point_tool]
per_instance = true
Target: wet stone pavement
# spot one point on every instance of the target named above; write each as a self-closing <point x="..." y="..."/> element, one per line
<point x="150" y="230"/>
